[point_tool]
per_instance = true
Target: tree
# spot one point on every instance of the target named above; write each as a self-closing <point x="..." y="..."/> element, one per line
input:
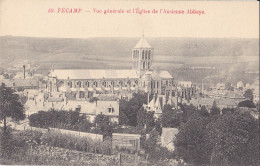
<point x="204" y="111"/>
<point x="145" y="118"/>
<point x="249" y="94"/>
<point x="227" y="110"/>
<point x="129" y="109"/>
<point x="10" y="106"/>
<point x="214" y="109"/>
<point x="228" y="139"/>
<point x="150" y="143"/>
<point x="246" y="103"/>
<point x="170" y="117"/>
<point x="229" y="87"/>
<point x="191" y="143"/>
<point x="234" y="138"/>
<point x="141" y="117"/>
<point x="103" y="125"/>
<point x="188" y="112"/>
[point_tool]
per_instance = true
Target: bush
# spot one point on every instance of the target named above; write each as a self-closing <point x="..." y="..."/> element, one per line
<point x="77" y="143"/>
<point x="6" y="146"/>
<point x="70" y="120"/>
<point x="27" y="136"/>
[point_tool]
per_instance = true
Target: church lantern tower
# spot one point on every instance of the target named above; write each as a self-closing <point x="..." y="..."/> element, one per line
<point x="142" y="56"/>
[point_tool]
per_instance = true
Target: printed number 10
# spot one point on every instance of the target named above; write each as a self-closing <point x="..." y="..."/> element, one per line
<point x="51" y="10"/>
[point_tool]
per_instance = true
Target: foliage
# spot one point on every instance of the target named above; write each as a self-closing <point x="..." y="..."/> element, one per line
<point x="154" y="150"/>
<point x="214" y="109"/>
<point x="6" y="146"/>
<point x="21" y="138"/>
<point x="170" y="117"/>
<point x="249" y="94"/>
<point x="10" y="106"/>
<point x="229" y="87"/>
<point x="219" y="139"/>
<point x="230" y="136"/>
<point x="71" y="120"/>
<point x="190" y="143"/>
<point x="129" y="109"/>
<point x="227" y="110"/>
<point x="76" y="143"/>
<point x="103" y="125"/>
<point x="150" y="144"/>
<point x="93" y="99"/>
<point x="203" y="111"/>
<point x="188" y="111"/>
<point x="145" y="119"/>
<point x="246" y="103"/>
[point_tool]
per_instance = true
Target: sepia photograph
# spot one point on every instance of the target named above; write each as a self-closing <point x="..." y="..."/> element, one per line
<point x="129" y="83"/>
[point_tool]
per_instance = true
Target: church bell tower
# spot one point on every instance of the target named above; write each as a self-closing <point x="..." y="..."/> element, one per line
<point x="142" y="56"/>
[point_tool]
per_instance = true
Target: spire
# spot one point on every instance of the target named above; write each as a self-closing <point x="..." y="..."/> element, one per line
<point x="143" y="44"/>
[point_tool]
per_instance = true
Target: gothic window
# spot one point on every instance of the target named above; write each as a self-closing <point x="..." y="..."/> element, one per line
<point x="70" y="84"/>
<point x="143" y="65"/>
<point x="87" y="84"/>
<point x="136" y="81"/>
<point x="95" y="83"/>
<point x="149" y="53"/>
<point x="157" y="84"/>
<point x="129" y="82"/>
<point x="81" y="94"/>
<point x="110" y="109"/>
<point x="143" y="54"/>
<point x="79" y="84"/>
<point x="104" y="83"/>
<point x="148" y="65"/>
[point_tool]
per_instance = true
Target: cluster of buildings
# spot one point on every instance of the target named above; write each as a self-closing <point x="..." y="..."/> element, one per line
<point x="75" y="89"/>
<point x="98" y="91"/>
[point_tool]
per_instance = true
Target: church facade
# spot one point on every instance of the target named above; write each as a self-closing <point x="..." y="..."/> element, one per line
<point x="85" y="83"/>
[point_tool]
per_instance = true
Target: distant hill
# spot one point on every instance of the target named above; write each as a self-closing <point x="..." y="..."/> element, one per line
<point x="170" y="53"/>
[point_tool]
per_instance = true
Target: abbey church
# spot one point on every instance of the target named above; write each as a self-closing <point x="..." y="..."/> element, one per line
<point x="86" y="83"/>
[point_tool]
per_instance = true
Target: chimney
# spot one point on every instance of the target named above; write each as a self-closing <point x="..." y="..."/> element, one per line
<point x="23" y="71"/>
<point x="148" y="98"/>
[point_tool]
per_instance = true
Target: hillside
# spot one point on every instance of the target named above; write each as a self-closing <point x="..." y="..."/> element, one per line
<point x="170" y="53"/>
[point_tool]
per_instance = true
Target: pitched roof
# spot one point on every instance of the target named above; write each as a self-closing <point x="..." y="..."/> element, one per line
<point x="226" y="102"/>
<point x="93" y="74"/>
<point x="165" y="74"/>
<point x="158" y="74"/>
<point x="20" y="82"/>
<point x="142" y="44"/>
<point x="202" y="101"/>
<point x="152" y="103"/>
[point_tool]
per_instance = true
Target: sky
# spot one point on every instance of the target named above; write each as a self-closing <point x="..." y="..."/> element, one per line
<point x="221" y="19"/>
